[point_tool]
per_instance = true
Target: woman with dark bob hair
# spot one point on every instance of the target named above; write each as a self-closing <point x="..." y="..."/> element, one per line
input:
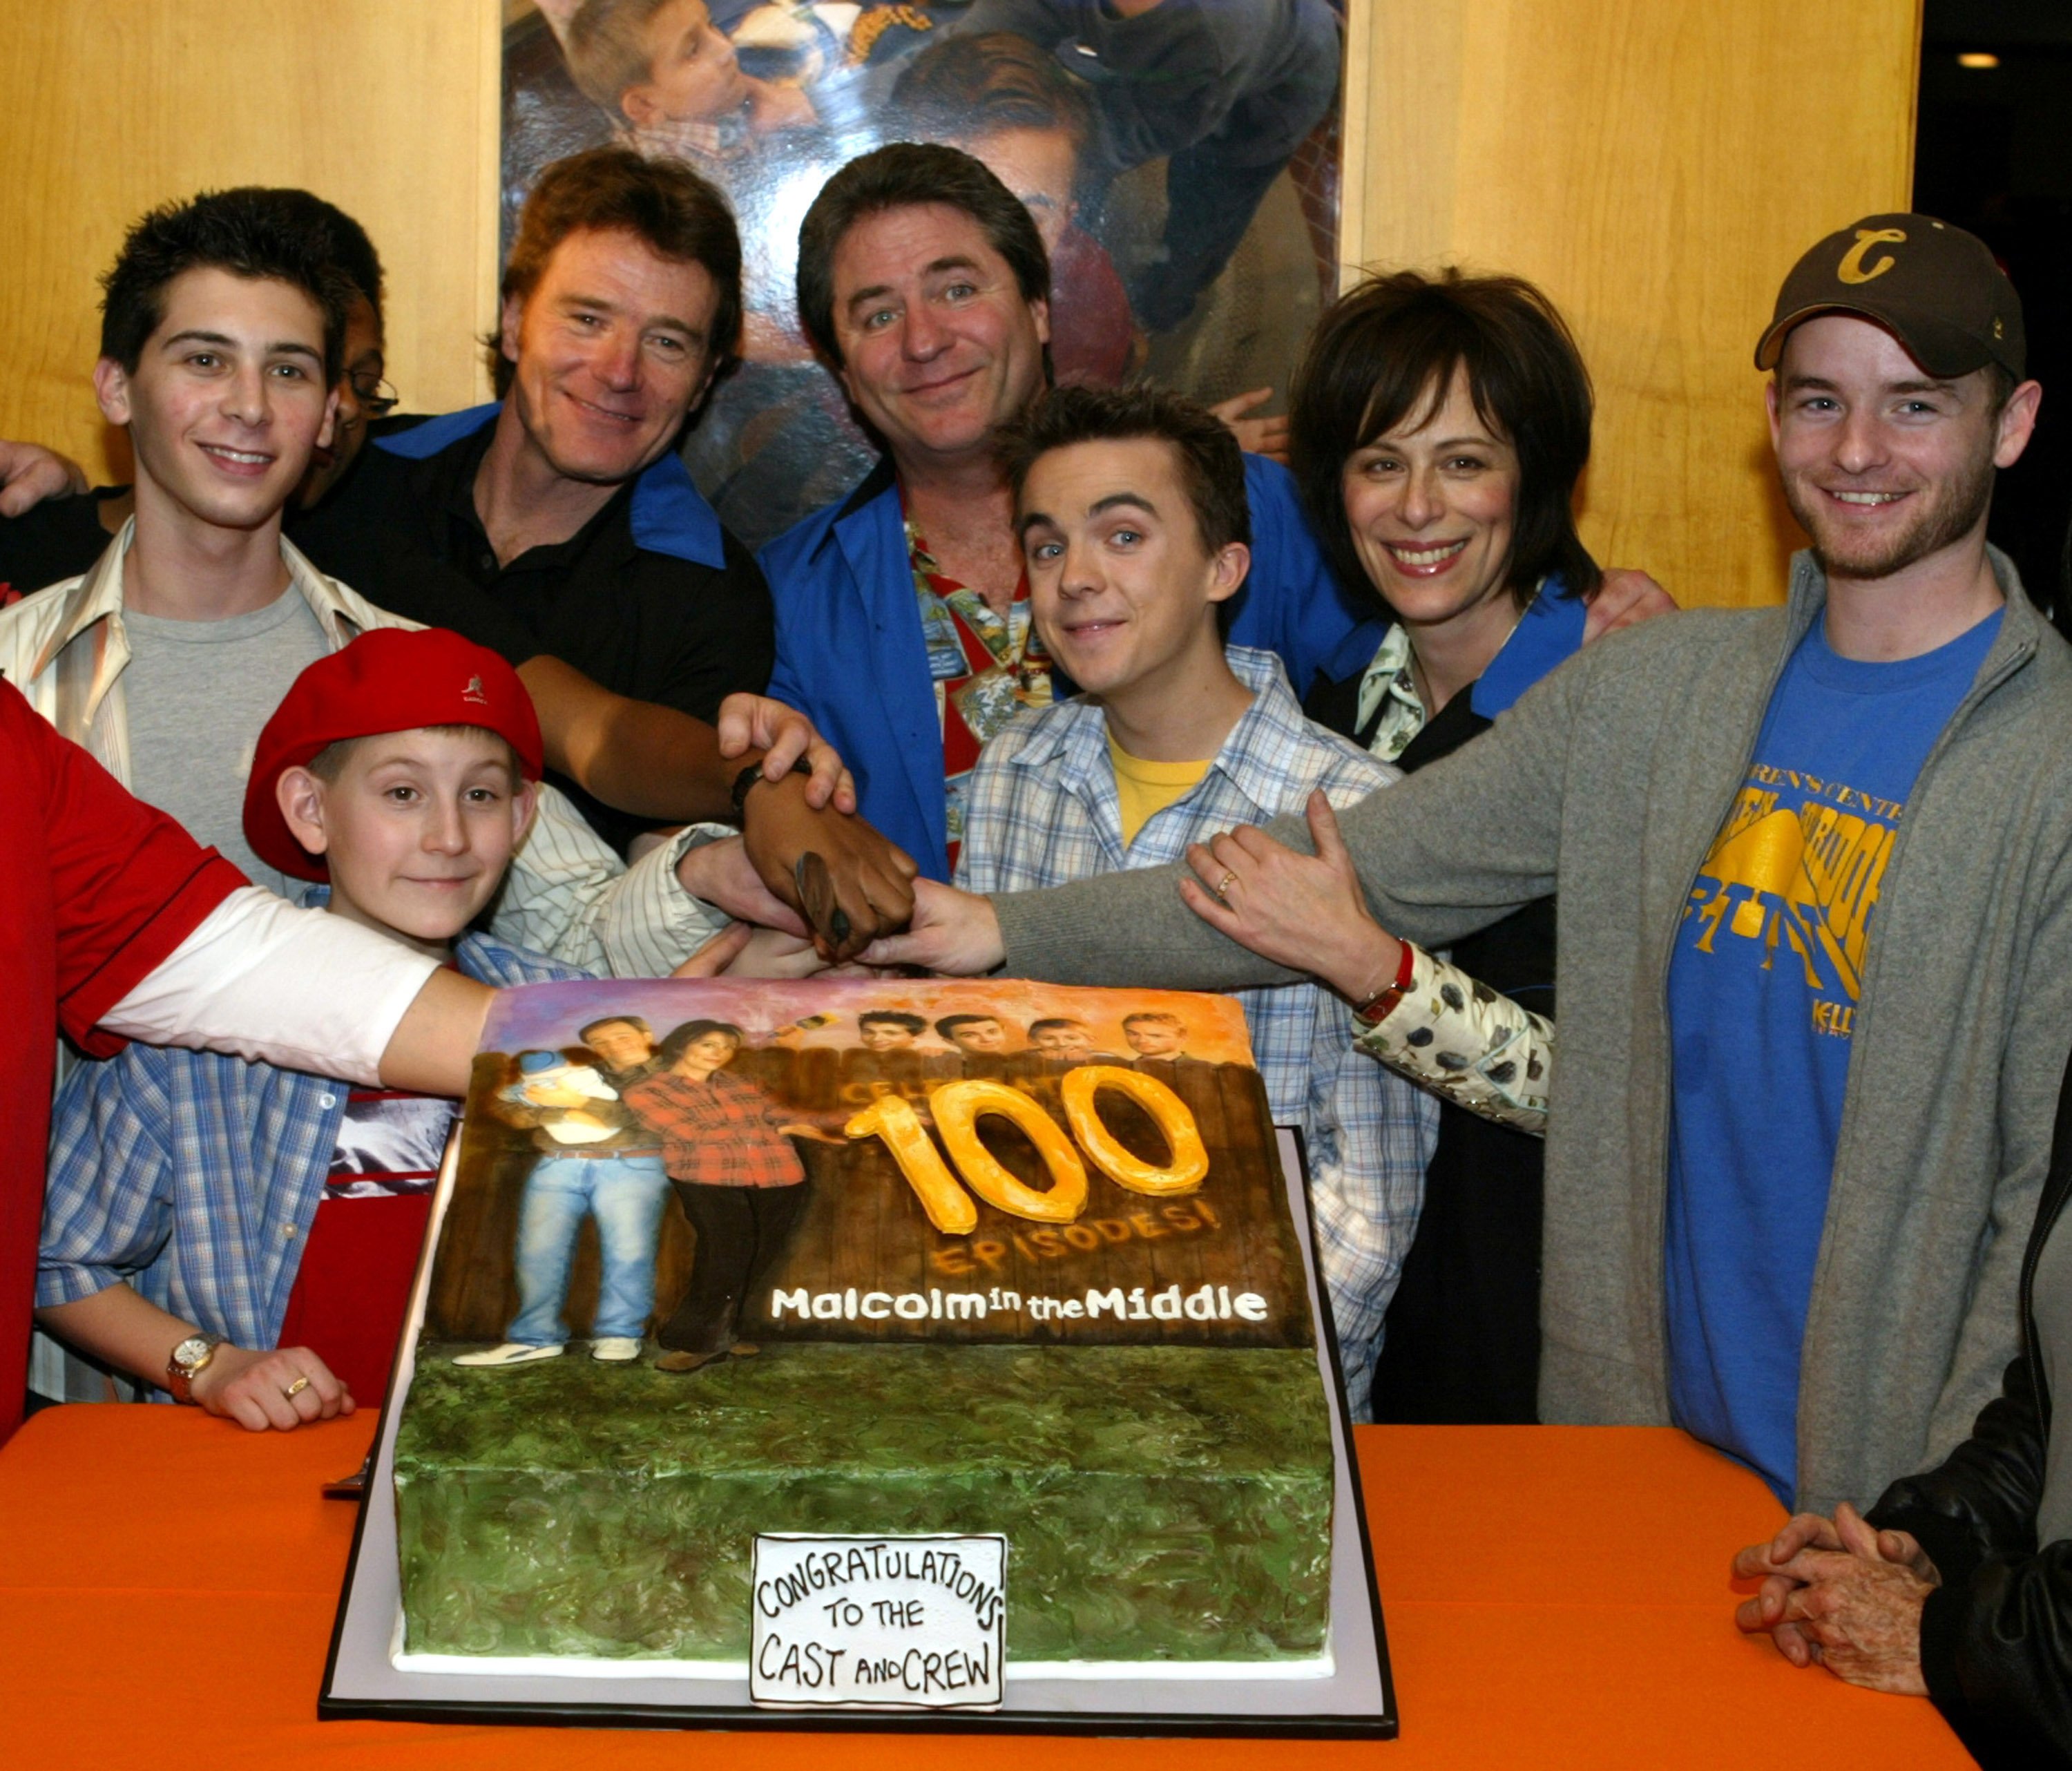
<point x="1437" y="427"/>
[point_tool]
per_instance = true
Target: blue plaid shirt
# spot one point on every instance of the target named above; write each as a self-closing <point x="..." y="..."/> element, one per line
<point x="1041" y="809"/>
<point x="196" y="1175"/>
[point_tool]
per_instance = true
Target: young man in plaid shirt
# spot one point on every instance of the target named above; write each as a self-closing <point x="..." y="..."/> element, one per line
<point x="241" y="1236"/>
<point x="1130" y="510"/>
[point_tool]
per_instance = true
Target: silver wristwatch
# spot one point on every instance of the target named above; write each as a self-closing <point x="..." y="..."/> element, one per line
<point x="190" y="1359"/>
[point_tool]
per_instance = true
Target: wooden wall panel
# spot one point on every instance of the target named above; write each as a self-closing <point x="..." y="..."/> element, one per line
<point x="1656" y="167"/>
<point x="387" y="107"/>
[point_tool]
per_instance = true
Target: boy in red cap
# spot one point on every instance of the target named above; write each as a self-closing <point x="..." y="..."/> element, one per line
<point x="237" y="1234"/>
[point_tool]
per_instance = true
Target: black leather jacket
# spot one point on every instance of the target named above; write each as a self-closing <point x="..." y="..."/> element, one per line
<point x="1996" y="1636"/>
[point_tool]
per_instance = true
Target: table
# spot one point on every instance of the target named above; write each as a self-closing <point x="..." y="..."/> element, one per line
<point x="1554" y="1597"/>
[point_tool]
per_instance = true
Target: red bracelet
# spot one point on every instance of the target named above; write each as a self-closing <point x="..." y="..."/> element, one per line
<point x="1377" y="1007"/>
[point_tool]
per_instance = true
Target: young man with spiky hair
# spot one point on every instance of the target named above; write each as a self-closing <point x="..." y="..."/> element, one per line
<point x="1131" y="511"/>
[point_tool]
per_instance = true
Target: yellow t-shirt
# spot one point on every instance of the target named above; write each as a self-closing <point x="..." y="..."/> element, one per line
<point x="1143" y="789"/>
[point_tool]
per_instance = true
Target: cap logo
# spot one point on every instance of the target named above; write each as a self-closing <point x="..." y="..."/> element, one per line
<point x="1852" y="269"/>
<point x="473" y="692"/>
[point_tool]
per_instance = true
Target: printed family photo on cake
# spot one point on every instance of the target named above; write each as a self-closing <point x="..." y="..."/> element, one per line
<point x="1180" y="158"/>
<point x="719" y="1259"/>
<point x="862" y="1161"/>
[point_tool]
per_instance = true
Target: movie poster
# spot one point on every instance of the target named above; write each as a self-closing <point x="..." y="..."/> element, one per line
<point x="685" y="1167"/>
<point x="1181" y="158"/>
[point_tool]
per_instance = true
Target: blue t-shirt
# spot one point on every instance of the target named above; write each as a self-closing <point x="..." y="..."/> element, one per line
<point x="1762" y="995"/>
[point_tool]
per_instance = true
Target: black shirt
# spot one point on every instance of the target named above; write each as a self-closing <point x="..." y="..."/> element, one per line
<point x="56" y="539"/>
<point x="633" y="612"/>
<point x="1461" y="1342"/>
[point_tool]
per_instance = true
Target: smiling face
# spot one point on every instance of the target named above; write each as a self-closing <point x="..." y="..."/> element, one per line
<point x="1154" y="1038"/>
<point x="938" y="346"/>
<point x="612" y="349"/>
<point x="1884" y="465"/>
<point x="417" y="828"/>
<point x="1120" y="588"/>
<point x="1431" y="505"/>
<point x="707" y="1053"/>
<point x="884" y="1036"/>
<point x="227" y="401"/>
<point x="1068" y="1040"/>
<point x="986" y="1035"/>
<point x="620" y="1044"/>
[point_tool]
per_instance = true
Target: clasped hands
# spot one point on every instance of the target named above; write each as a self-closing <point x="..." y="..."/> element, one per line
<point x="1842" y="1594"/>
<point x="789" y="816"/>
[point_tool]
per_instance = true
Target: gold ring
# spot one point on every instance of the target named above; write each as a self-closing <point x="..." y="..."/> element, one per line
<point x="296" y="1388"/>
<point x="1224" y="884"/>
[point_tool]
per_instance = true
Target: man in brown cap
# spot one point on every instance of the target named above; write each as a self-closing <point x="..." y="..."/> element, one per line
<point x="1815" y="874"/>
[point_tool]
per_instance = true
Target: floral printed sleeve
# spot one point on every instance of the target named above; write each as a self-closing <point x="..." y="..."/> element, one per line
<point x="1460" y="1039"/>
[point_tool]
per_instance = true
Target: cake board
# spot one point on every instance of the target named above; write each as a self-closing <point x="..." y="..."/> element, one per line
<point x="1353" y="1699"/>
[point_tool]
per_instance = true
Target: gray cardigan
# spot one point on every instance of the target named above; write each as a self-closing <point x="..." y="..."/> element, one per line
<point x="1607" y="781"/>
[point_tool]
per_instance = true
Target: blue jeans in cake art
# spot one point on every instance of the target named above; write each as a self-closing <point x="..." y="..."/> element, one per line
<point x="625" y="1194"/>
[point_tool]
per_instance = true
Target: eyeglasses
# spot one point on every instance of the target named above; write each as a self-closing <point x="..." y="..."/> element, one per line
<point x="377" y="397"/>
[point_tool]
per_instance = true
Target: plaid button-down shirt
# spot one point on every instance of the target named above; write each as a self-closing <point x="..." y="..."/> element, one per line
<point x="1042" y="810"/>
<point x="721" y="1133"/>
<point x="195" y="1175"/>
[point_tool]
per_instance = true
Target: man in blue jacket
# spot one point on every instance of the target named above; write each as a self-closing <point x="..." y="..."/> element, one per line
<point x="902" y="616"/>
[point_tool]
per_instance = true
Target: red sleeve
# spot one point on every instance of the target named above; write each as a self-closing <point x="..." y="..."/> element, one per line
<point x="128" y="885"/>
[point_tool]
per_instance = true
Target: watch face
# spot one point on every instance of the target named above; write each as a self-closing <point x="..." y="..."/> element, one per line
<point x="192" y="1352"/>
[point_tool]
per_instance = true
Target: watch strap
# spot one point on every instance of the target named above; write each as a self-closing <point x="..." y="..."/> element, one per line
<point x="747" y="778"/>
<point x="1377" y="1008"/>
<point x="179" y="1377"/>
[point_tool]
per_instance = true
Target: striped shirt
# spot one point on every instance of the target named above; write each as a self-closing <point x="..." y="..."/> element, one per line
<point x="1042" y="810"/>
<point x="195" y="1175"/>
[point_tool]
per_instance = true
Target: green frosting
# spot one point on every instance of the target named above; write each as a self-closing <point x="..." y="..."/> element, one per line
<point x="1160" y="1503"/>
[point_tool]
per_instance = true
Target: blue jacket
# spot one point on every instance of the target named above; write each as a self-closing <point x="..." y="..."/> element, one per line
<point x="850" y="653"/>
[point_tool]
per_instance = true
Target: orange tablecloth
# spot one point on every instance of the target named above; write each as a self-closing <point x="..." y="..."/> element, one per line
<point x="1554" y="1597"/>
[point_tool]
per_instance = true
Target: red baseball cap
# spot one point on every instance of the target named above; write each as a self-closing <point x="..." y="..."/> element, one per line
<point x="388" y="679"/>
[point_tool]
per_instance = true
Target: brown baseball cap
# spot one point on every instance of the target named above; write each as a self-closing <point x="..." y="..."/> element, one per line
<point x="1935" y="288"/>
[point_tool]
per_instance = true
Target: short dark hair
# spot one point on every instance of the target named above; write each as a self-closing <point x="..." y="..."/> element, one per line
<point x="1387" y="350"/>
<point x="1211" y="464"/>
<point x="1164" y="1016"/>
<point x="248" y="232"/>
<point x="979" y="84"/>
<point x="679" y="1039"/>
<point x="1035" y="1027"/>
<point x="894" y="1017"/>
<point x="345" y="242"/>
<point x="589" y="1027"/>
<point x="662" y="203"/>
<point x="903" y="175"/>
<point x="949" y="1024"/>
